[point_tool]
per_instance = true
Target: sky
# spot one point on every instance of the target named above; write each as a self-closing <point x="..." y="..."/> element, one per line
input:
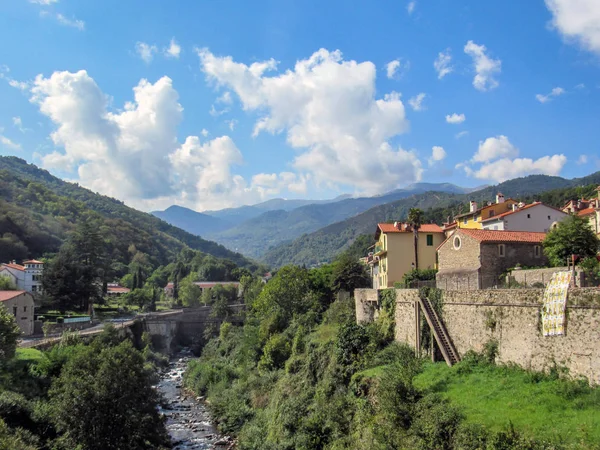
<point x="213" y="104"/>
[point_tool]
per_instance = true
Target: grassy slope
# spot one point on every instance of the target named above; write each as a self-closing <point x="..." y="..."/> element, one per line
<point x="497" y="396"/>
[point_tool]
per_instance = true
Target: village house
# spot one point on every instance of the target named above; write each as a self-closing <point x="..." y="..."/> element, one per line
<point x="588" y="209"/>
<point x="394" y="253"/>
<point x="535" y="217"/>
<point x="26" y="277"/>
<point x="116" y="290"/>
<point x="476" y="259"/>
<point x="473" y="219"/>
<point x="20" y="304"/>
<point x="204" y="285"/>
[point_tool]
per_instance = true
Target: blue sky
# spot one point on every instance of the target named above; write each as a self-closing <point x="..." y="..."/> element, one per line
<point x="219" y="103"/>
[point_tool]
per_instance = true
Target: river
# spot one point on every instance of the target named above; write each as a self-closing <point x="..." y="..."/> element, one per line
<point x="188" y="420"/>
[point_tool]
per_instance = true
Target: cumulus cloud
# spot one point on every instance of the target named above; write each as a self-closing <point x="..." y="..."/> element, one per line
<point x="411" y="6"/>
<point x="455" y="118"/>
<point x="392" y="67"/>
<point x="499" y="161"/>
<point x="443" y="64"/>
<point x="416" y="102"/>
<point x="437" y="154"/>
<point x="553" y="93"/>
<point x="486" y="68"/>
<point x="583" y="159"/>
<point x="145" y="51"/>
<point x="578" y="21"/>
<point x="328" y="110"/>
<point x="43" y="2"/>
<point x="173" y="50"/>
<point x="134" y="154"/>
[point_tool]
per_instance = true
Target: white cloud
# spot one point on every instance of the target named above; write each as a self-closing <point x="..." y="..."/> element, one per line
<point x="43" y="2"/>
<point x="145" y="51"/>
<point x="411" y="6"/>
<point x="455" y="118"/>
<point x="392" y="67"/>
<point x="442" y="64"/>
<point x="416" y="102"/>
<point x="583" y="159"/>
<point x="461" y="134"/>
<point x="495" y="147"/>
<point x="18" y="123"/>
<point x="554" y="93"/>
<point x="204" y="132"/>
<point x="505" y="169"/>
<point x="173" y="50"/>
<point x="577" y="20"/>
<point x="500" y="162"/>
<point x="225" y="98"/>
<point x="437" y="154"/>
<point x="328" y="109"/>
<point x="134" y="154"/>
<point x="21" y="85"/>
<point x="231" y="124"/>
<point x="580" y="86"/>
<point x="486" y="68"/>
<point x="74" y="23"/>
<point x="6" y="142"/>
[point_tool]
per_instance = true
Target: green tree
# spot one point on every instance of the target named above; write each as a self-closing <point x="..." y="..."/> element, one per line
<point x="349" y="274"/>
<point x="415" y="218"/>
<point x="6" y="284"/>
<point x="9" y="334"/>
<point x="573" y="236"/>
<point x="189" y="293"/>
<point x="103" y="399"/>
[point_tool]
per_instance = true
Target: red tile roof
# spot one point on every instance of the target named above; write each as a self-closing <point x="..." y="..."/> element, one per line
<point x="7" y="295"/>
<point x="118" y="289"/>
<point x="404" y="228"/>
<point x="586" y="212"/>
<point x="15" y="266"/>
<point x="32" y="261"/>
<point x="504" y="236"/>
<point x="208" y="284"/>
<point x="531" y="205"/>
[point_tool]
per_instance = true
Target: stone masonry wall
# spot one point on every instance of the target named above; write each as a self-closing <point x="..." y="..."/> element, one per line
<point x="513" y="318"/>
<point x="529" y="277"/>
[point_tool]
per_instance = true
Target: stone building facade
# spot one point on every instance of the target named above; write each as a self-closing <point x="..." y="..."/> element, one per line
<point x="20" y="304"/>
<point x="477" y="259"/>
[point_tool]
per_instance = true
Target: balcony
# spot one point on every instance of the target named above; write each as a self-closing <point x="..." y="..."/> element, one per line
<point x="379" y="250"/>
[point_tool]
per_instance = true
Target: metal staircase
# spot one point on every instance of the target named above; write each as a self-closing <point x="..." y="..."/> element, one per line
<point x="439" y="332"/>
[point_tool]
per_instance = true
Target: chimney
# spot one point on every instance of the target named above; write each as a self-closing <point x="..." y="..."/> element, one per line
<point x="395" y="224"/>
<point x="515" y="207"/>
<point x="499" y="197"/>
<point x="521" y="204"/>
<point x="473" y="206"/>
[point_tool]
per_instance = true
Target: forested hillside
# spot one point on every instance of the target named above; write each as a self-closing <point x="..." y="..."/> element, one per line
<point x="324" y="244"/>
<point x="37" y="210"/>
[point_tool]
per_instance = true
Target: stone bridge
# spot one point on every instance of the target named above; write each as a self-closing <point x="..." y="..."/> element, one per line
<point x="185" y="325"/>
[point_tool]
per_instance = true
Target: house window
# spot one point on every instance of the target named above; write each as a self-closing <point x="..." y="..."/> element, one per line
<point x="537" y="251"/>
<point x="466" y="220"/>
<point x="475" y="217"/>
<point x="15" y="311"/>
<point x="33" y="288"/>
<point x="501" y="250"/>
<point x="24" y="308"/>
<point x="492" y="213"/>
<point x="430" y="240"/>
<point x="529" y="216"/>
<point x="457" y="243"/>
<point x="549" y="218"/>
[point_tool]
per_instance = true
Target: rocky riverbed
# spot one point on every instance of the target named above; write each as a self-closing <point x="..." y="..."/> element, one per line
<point x="188" y="420"/>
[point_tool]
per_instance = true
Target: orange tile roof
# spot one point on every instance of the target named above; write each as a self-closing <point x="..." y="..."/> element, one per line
<point x="118" y="289"/>
<point x="7" y="295"/>
<point x="32" y="261"/>
<point x="425" y="228"/>
<point x="15" y="266"/>
<point x="586" y="212"/>
<point x="504" y="236"/>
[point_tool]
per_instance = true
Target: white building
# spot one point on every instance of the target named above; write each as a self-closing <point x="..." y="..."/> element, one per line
<point x="535" y="217"/>
<point x="26" y="277"/>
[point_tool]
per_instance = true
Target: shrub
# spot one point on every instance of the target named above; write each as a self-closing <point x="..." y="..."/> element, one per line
<point x="275" y="353"/>
<point x="436" y="422"/>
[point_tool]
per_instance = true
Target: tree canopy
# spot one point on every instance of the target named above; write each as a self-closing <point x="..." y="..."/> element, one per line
<point x="9" y="334"/>
<point x="573" y="236"/>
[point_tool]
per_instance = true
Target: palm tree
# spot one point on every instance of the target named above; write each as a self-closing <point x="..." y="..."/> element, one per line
<point x="415" y="218"/>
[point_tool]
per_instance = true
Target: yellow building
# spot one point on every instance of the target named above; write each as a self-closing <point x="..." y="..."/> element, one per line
<point x="394" y="253"/>
<point x="473" y="218"/>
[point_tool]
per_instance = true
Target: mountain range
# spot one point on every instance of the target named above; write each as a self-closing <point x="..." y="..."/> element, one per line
<point x="254" y="230"/>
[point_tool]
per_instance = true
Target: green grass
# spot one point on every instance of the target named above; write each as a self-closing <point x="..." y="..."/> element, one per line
<point x="494" y="396"/>
<point x="324" y="333"/>
<point x="29" y="355"/>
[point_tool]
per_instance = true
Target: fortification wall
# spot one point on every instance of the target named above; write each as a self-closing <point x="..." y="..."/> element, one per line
<point x="529" y="277"/>
<point x="512" y="317"/>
